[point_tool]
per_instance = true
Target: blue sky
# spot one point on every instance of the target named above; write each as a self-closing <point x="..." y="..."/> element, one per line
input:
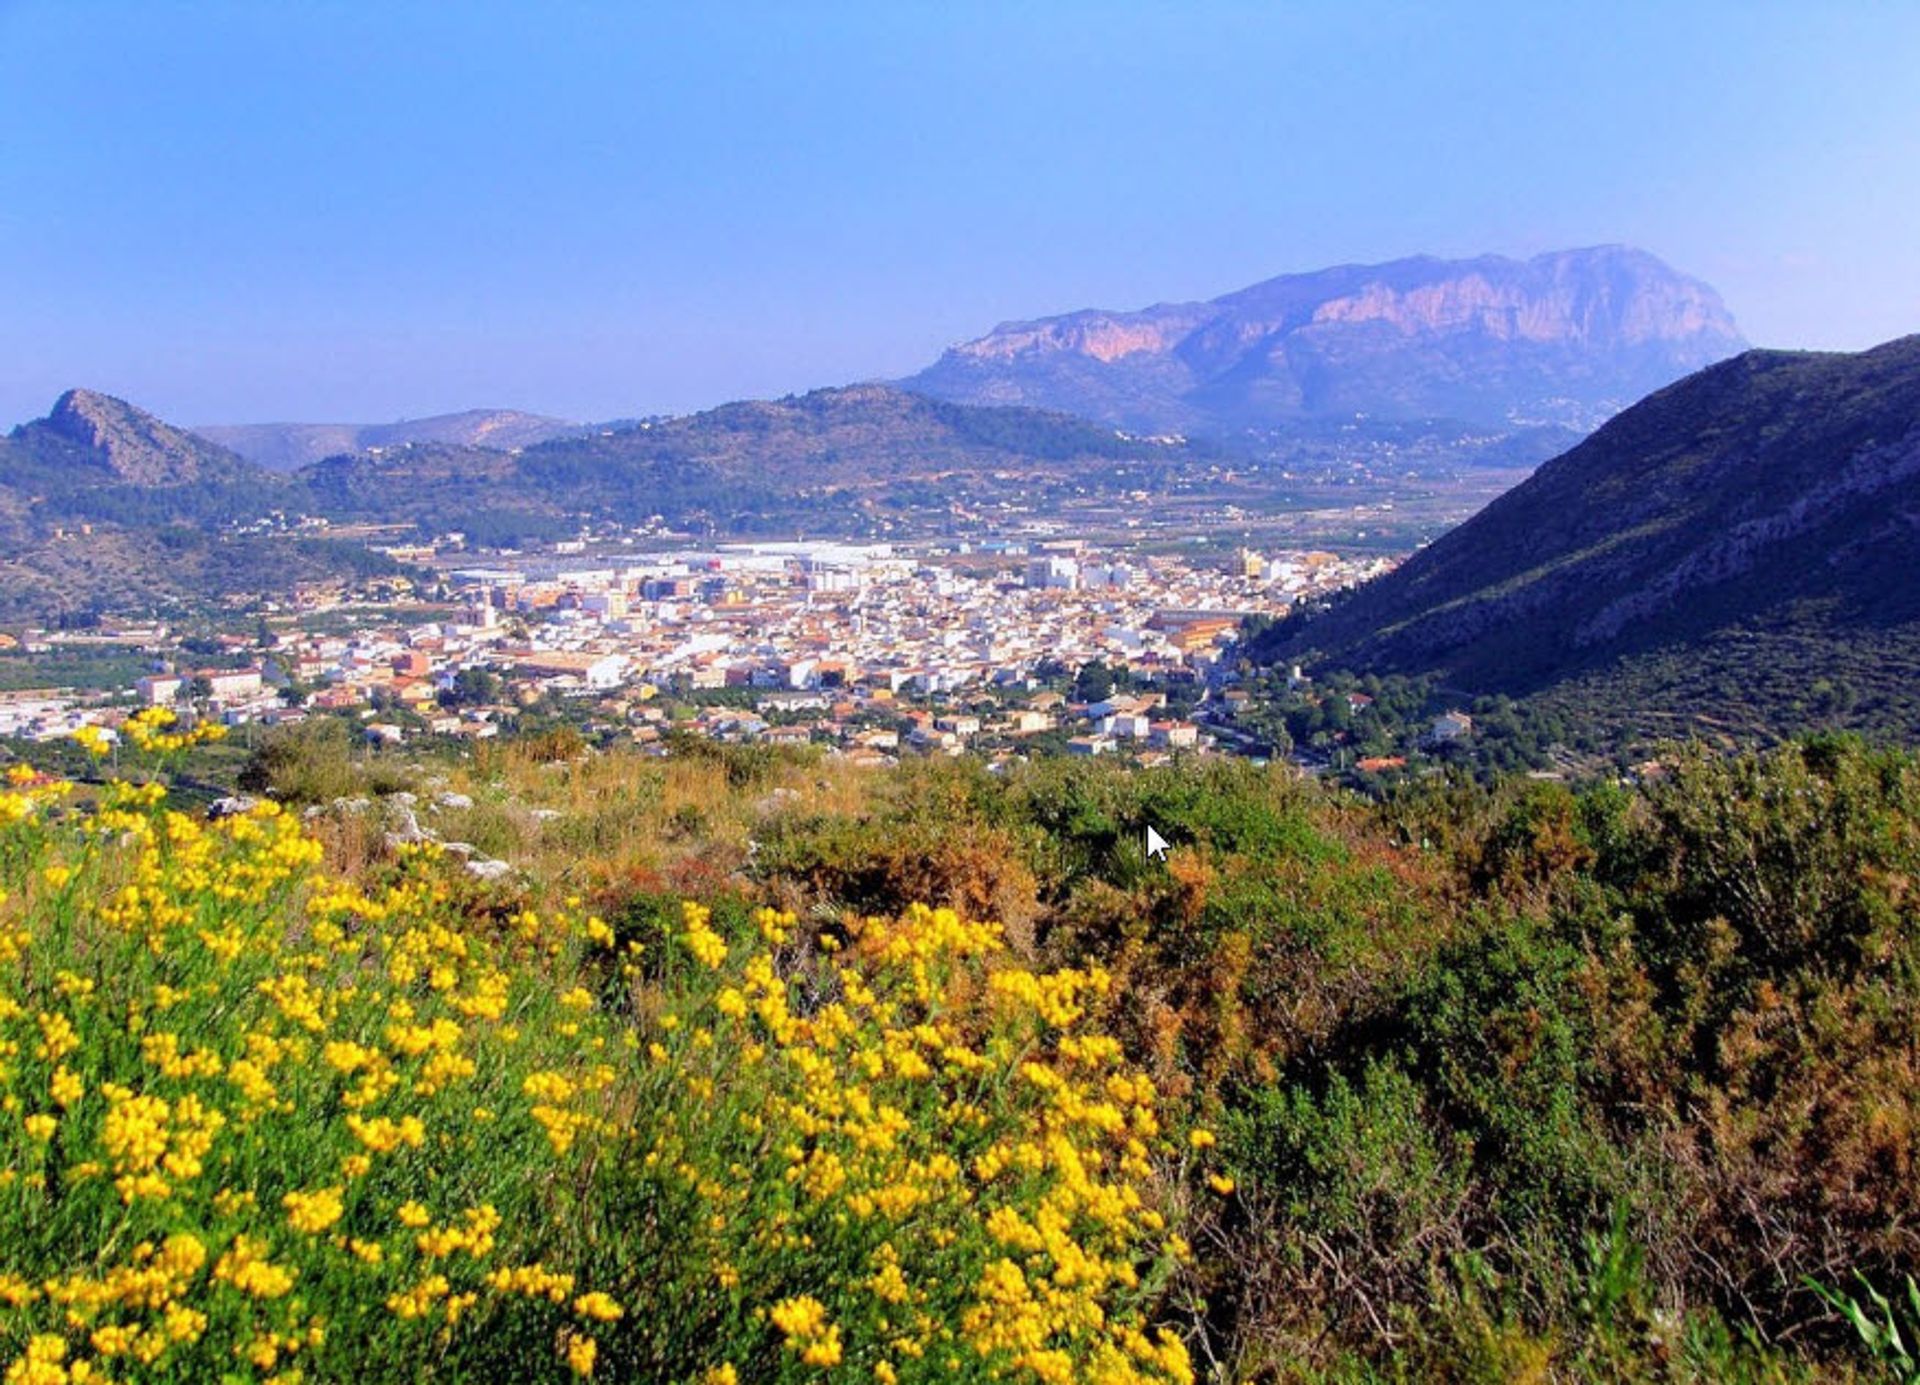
<point x="239" y="212"/>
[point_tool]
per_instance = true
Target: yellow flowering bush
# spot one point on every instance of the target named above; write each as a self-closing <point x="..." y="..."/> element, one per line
<point x="258" y="1122"/>
<point x="152" y="730"/>
<point x="888" y="1151"/>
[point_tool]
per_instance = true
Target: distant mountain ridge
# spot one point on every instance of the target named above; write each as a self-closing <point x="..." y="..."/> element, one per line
<point x="1761" y="518"/>
<point x="853" y="459"/>
<point x="1564" y="339"/>
<point x="290" y="446"/>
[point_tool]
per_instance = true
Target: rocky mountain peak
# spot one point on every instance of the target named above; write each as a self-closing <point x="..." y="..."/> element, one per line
<point x="1566" y="338"/>
<point x="131" y="443"/>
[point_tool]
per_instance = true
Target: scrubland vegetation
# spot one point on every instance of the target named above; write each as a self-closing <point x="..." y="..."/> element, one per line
<point x="758" y="1066"/>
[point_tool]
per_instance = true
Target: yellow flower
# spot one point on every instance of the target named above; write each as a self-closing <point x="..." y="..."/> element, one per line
<point x="314" y="1212"/>
<point x="707" y="946"/>
<point x="799" y="1317"/>
<point x="245" y="1266"/>
<point x="581" y="1353"/>
<point x="346" y="1056"/>
<point x="598" y="1306"/>
<point x="95" y="740"/>
<point x="803" y="1322"/>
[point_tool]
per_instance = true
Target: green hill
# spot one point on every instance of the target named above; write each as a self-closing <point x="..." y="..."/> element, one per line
<point x="1733" y="553"/>
<point x="104" y="507"/>
<point x="862" y="459"/>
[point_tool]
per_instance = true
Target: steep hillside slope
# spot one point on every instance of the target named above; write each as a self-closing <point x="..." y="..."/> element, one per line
<point x="95" y="458"/>
<point x="104" y="507"/>
<point x="89" y="438"/>
<point x="1764" y="509"/>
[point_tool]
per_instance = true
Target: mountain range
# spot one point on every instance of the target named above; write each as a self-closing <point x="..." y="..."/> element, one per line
<point x="1544" y="347"/>
<point x="104" y="506"/>
<point x="1758" y="514"/>
<point x="1563" y="339"/>
<point x="1740" y="544"/>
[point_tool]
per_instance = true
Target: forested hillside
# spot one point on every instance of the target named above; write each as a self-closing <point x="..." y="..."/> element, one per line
<point x="864" y="459"/>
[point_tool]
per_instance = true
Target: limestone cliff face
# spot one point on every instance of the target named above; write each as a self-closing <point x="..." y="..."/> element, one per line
<point x="1566" y="338"/>
<point x="1104" y="337"/>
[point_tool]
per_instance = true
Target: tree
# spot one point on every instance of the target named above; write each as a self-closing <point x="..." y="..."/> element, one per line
<point x="1094" y="683"/>
<point x="471" y="687"/>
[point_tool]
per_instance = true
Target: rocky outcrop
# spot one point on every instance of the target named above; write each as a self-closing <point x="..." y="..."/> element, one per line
<point x="131" y="444"/>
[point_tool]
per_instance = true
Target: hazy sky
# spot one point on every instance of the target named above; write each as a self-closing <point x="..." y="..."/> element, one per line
<point x="239" y="212"/>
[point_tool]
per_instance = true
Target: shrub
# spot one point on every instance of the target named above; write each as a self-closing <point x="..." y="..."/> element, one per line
<point x="258" y="1120"/>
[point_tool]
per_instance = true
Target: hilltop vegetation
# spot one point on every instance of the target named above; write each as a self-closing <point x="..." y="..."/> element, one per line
<point x="96" y="458"/>
<point x="1472" y="1084"/>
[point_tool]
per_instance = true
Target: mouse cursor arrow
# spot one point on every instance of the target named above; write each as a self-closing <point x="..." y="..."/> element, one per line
<point x="1156" y="844"/>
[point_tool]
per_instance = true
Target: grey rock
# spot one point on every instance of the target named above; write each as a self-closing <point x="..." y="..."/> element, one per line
<point x="405" y="825"/>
